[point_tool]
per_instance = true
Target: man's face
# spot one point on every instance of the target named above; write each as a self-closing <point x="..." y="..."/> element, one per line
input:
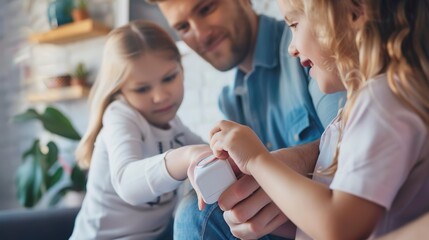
<point x="220" y="31"/>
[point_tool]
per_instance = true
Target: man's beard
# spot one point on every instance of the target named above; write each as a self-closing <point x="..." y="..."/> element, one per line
<point x="239" y="49"/>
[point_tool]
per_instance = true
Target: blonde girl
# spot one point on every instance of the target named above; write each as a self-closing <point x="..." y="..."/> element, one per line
<point x="131" y="189"/>
<point x="372" y="172"/>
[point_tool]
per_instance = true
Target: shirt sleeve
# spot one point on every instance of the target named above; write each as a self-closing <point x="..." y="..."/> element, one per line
<point x="378" y="150"/>
<point x="136" y="179"/>
<point x="326" y="105"/>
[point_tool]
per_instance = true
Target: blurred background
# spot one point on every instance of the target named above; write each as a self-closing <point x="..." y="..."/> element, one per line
<point x="50" y="52"/>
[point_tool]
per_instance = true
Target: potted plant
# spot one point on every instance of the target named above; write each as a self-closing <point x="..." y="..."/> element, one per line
<point x="80" y="75"/>
<point x="42" y="169"/>
<point x="80" y="11"/>
<point x="60" y="81"/>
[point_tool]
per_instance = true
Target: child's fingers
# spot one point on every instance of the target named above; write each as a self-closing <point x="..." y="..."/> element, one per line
<point x="219" y="138"/>
<point x="217" y="147"/>
<point x="223" y="155"/>
<point x="223" y="125"/>
<point x="214" y="130"/>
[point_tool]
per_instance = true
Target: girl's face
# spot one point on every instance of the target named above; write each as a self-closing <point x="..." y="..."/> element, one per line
<point x="155" y="88"/>
<point x="304" y="45"/>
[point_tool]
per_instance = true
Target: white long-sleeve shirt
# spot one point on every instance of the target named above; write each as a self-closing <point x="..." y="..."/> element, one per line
<point x="130" y="194"/>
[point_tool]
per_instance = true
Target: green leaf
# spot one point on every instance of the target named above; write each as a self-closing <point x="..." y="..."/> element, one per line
<point x="31" y="151"/>
<point x="55" y="122"/>
<point x="55" y="177"/>
<point x="52" y="120"/>
<point x="52" y="155"/>
<point x="30" y="114"/>
<point x="24" y="183"/>
<point x="29" y="177"/>
<point x="39" y="171"/>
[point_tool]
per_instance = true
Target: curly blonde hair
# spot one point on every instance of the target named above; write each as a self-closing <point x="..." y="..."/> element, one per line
<point x="392" y="40"/>
<point x="124" y="45"/>
<point x="335" y="32"/>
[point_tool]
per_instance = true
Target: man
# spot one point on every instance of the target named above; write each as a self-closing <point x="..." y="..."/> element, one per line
<point x="271" y="93"/>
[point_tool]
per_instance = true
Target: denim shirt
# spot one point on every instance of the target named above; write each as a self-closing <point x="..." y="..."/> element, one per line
<point x="277" y="99"/>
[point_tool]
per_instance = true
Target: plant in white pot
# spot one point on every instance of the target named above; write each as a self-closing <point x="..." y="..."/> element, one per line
<point x="41" y="169"/>
<point x="80" y="10"/>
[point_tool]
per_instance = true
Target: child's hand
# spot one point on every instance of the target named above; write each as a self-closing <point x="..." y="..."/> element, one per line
<point x="238" y="142"/>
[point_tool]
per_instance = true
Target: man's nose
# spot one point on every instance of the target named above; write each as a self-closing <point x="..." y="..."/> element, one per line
<point x="202" y="31"/>
<point x="292" y="50"/>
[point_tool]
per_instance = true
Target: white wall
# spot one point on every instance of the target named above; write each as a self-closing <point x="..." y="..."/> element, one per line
<point x="22" y="67"/>
<point x="202" y="86"/>
<point x="202" y="82"/>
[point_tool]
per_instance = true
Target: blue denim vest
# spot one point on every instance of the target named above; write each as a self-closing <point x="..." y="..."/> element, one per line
<point x="277" y="99"/>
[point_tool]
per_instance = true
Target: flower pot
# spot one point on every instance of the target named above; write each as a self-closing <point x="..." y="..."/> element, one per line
<point x="58" y="82"/>
<point x="79" y="14"/>
<point x="78" y="82"/>
<point x="59" y="12"/>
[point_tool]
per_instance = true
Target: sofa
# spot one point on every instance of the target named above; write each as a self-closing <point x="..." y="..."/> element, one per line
<point x="56" y="223"/>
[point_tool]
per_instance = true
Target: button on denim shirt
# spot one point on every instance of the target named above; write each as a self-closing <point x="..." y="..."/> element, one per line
<point x="277" y="99"/>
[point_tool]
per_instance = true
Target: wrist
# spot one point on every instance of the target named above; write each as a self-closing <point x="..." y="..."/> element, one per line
<point x="257" y="162"/>
<point x="196" y="154"/>
<point x="171" y="166"/>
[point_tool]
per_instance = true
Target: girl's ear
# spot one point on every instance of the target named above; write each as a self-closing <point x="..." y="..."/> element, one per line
<point x="358" y="14"/>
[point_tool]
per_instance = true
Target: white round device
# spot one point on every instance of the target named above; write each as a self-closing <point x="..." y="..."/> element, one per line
<point x="212" y="177"/>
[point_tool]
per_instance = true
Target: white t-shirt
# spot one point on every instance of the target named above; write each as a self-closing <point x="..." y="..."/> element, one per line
<point x="384" y="156"/>
<point x="130" y="194"/>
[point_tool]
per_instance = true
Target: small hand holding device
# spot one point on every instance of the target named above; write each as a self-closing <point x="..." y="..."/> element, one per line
<point x="213" y="176"/>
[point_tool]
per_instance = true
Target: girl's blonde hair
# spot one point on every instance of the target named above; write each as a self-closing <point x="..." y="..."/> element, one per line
<point x="124" y="45"/>
<point x="392" y="40"/>
<point x="335" y="31"/>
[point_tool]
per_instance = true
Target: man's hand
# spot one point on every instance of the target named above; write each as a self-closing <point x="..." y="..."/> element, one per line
<point x="249" y="212"/>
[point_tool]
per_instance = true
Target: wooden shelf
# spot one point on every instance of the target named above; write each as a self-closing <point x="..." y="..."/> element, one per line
<point x="71" y="32"/>
<point x="59" y="94"/>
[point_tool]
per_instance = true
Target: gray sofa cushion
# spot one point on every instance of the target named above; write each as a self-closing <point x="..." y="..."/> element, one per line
<point x="37" y="224"/>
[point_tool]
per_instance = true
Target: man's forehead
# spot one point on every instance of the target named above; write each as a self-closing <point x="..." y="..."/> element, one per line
<point x="177" y="10"/>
